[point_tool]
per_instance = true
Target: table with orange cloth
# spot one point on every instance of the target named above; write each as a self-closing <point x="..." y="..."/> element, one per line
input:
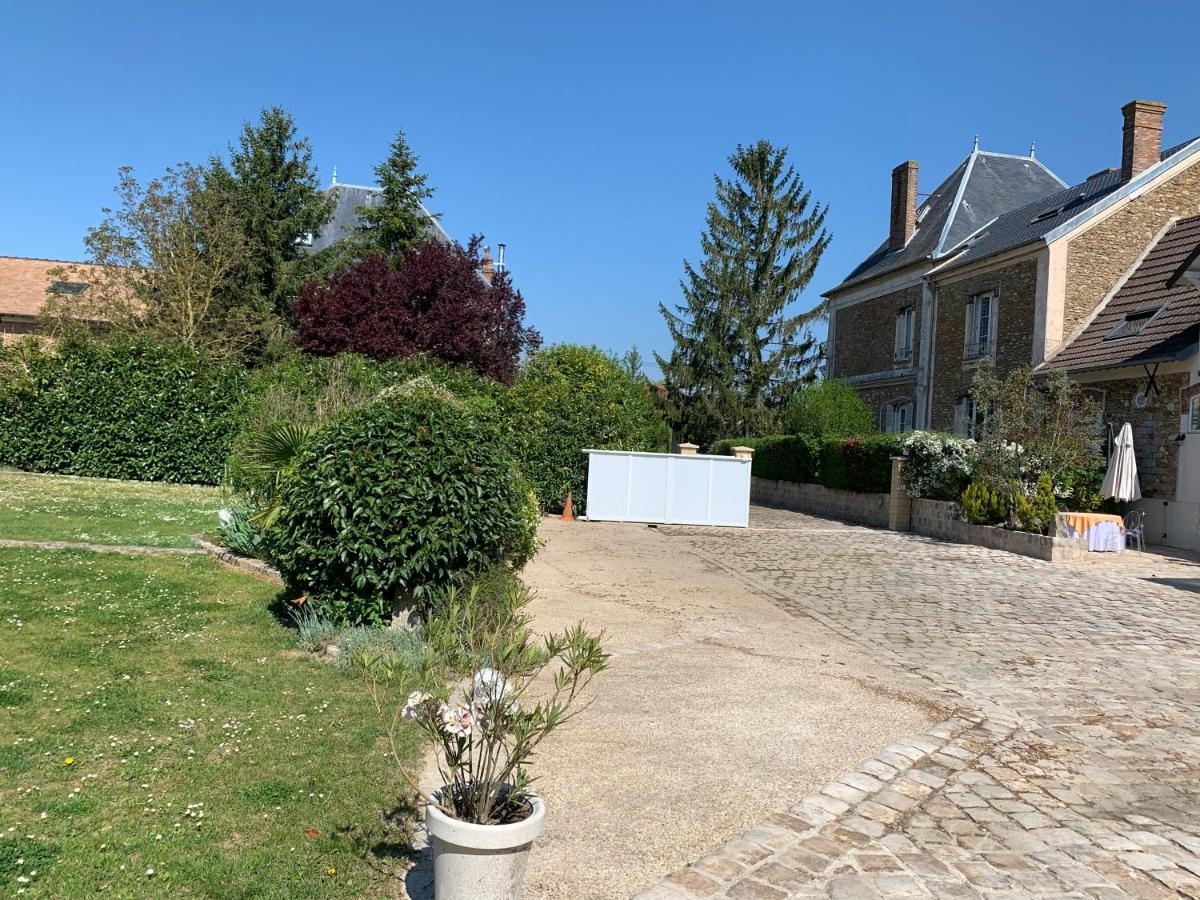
<point x="1104" y="532"/>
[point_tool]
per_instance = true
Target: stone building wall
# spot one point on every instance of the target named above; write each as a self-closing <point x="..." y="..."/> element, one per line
<point x="864" y="335"/>
<point x="1098" y="258"/>
<point x="1154" y="428"/>
<point x="1016" y="286"/>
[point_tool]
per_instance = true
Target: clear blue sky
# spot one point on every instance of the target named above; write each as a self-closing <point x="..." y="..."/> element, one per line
<point x="585" y="136"/>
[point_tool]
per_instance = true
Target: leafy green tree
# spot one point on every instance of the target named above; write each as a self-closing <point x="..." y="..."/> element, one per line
<point x="738" y="353"/>
<point x="273" y="185"/>
<point x="567" y="399"/>
<point x="399" y="221"/>
<point x="164" y="262"/>
<point x="828" y="409"/>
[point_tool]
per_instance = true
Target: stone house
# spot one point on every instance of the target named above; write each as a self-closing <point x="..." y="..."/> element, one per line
<point x="1005" y="261"/>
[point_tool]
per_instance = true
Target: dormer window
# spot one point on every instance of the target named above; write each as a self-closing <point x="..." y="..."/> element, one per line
<point x="66" y="287"/>
<point x="1134" y="323"/>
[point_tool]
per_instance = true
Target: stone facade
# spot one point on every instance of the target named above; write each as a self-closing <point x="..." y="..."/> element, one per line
<point x="1016" y="287"/>
<point x="864" y="334"/>
<point x="1098" y="258"/>
<point x="864" y="340"/>
<point x="1154" y="427"/>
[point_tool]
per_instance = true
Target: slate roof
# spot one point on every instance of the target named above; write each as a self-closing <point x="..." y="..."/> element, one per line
<point x="1037" y="219"/>
<point x="1154" y="286"/>
<point x="983" y="186"/>
<point x="345" y="218"/>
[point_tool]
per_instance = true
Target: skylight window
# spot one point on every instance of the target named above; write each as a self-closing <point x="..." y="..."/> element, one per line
<point x="1134" y="323"/>
<point x="1043" y="216"/>
<point x="66" y="287"/>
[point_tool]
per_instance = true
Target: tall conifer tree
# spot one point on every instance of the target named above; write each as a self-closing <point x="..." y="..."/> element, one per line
<point x="273" y="185"/>
<point x="739" y="353"/>
<point x="399" y="221"/>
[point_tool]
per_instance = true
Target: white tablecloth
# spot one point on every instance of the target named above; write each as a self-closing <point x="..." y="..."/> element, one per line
<point x="1106" y="537"/>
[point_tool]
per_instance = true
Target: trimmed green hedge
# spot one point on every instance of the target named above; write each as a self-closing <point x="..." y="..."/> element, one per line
<point x="861" y="464"/>
<point x="568" y="399"/>
<point x="124" y="408"/>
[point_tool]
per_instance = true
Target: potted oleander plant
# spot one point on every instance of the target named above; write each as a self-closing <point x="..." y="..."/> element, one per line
<point x="487" y="693"/>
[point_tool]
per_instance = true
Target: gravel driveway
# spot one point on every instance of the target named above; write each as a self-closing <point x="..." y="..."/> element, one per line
<point x="717" y="708"/>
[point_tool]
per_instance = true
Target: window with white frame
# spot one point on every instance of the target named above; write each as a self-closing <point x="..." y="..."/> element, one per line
<point x="981" y="326"/>
<point x="968" y="418"/>
<point x="1194" y="418"/>
<point x="904" y="335"/>
<point x="898" y="416"/>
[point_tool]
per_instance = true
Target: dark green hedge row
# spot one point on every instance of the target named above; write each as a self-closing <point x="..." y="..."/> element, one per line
<point x="126" y="408"/>
<point x="862" y="464"/>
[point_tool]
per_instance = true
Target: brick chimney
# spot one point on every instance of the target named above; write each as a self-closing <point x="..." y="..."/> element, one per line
<point x="1142" y="146"/>
<point x="904" y="204"/>
<point x="486" y="266"/>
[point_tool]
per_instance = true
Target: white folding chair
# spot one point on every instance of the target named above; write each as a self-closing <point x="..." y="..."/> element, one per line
<point x="1135" y="526"/>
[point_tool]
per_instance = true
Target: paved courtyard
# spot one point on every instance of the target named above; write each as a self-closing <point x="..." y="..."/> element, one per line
<point x="1070" y="766"/>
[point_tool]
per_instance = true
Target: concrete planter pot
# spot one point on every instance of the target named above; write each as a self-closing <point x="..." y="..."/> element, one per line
<point x="481" y="862"/>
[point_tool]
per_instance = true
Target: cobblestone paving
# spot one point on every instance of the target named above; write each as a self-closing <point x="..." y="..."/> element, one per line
<point x="1071" y="765"/>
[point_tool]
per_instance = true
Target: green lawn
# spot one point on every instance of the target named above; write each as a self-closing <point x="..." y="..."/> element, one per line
<point x="160" y="733"/>
<point x="96" y="511"/>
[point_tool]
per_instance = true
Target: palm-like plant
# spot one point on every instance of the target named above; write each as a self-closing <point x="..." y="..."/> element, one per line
<point x="269" y="457"/>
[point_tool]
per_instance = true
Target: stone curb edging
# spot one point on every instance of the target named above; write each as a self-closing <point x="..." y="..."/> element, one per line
<point x="223" y="555"/>
<point x="129" y="549"/>
<point x="806" y="841"/>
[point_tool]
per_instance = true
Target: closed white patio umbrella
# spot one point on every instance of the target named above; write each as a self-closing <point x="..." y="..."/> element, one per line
<point x="1121" y="480"/>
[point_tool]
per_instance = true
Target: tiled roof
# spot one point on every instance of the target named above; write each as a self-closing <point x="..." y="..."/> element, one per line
<point x="1037" y="219"/>
<point x="983" y="186"/>
<point x="1173" y="305"/>
<point x="23" y="283"/>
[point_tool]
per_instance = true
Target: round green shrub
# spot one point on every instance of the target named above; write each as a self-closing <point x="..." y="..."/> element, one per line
<point x="128" y="407"/>
<point x="305" y="390"/>
<point x="395" y="499"/>
<point x="568" y="399"/>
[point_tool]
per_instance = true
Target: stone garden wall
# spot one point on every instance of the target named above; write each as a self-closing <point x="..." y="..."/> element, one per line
<point x="866" y="509"/>
<point x="940" y="519"/>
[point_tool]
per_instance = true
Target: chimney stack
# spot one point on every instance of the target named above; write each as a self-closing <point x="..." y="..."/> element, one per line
<point x="904" y="204"/>
<point x="1142" y="145"/>
<point x="486" y="265"/>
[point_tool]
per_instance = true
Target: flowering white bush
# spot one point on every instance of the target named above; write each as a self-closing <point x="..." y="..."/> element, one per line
<point x="476" y="699"/>
<point x="938" y="466"/>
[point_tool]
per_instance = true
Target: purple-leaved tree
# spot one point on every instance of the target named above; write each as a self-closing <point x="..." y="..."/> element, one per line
<point x="430" y="300"/>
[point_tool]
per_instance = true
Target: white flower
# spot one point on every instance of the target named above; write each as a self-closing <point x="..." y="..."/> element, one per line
<point x="489" y="686"/>
<point x="413" y="706"/>
<point x="456" y="720"/>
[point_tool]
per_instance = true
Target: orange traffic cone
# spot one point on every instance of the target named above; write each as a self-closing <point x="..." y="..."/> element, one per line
<point x="568" y="514"/>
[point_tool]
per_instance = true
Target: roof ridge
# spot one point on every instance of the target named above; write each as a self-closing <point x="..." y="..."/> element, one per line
<point x="1029" y="159"/>
<point x="76" y="262"/>
<point x="956" y="203"/>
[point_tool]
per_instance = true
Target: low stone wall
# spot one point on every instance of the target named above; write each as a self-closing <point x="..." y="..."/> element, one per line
<point x="866" y="509"/>
<point x="940" y="519"/>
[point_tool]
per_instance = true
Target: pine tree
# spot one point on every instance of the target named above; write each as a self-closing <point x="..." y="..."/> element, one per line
<point x="273" y="184"/>
<point x="399" y="221"/>
<point x="738" y="353"/>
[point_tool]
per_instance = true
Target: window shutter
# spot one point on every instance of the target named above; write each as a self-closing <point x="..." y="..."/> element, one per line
<point x="888" y="412"/>
<point x="991" y="319"/>
<point x="969" y="328"/>
<point x="958" y="418"/>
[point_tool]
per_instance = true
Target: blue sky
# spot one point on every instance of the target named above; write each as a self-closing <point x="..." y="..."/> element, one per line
<point x="584" y="136"/>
